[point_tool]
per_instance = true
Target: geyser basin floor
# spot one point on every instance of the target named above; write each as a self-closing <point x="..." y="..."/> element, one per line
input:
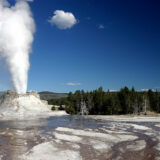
<point x="79" y="138"/>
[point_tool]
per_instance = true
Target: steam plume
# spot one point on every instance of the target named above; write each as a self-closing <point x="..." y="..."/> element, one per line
<point x="16" y="37"/>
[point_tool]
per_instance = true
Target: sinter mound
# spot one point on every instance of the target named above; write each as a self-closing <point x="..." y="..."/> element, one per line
<point x="13" y="104"/>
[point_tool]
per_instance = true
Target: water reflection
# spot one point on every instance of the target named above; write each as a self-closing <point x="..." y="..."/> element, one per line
<point x="16" y="137"/>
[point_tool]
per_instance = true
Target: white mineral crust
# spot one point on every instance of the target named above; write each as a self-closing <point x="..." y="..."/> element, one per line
<point x="23" y="105"/>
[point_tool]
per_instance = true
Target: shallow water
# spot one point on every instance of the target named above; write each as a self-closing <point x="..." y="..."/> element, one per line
<point x="77" y="137"/>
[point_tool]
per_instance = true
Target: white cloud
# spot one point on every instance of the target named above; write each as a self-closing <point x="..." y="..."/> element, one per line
<point x="73" y="84"/>
<point x="63" y="20"/>
<point x="101" y="26"/>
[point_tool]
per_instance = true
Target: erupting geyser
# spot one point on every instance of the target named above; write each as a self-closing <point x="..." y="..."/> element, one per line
<point x="16" y="36"/>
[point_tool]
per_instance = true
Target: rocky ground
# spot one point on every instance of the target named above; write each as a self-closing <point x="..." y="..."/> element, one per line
<point x="81" y="138"/>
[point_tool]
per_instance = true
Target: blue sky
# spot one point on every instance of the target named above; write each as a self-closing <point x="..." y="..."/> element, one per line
<point x="115" y="43"/>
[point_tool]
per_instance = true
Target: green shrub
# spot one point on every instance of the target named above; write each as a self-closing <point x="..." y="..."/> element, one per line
<point x="53" y="108"/>
<point x="70" y="110"/>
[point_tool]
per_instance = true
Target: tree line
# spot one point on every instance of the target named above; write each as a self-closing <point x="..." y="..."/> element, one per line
<point x="125" y="101"/>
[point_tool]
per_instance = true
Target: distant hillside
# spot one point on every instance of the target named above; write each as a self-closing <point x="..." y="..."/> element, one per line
<point x="52" y="95"/>
<point x="1" y="94"/>
<point x="47" y="95"/>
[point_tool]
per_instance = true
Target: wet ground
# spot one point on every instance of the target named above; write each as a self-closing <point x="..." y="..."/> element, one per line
<point x="79" y="138"/>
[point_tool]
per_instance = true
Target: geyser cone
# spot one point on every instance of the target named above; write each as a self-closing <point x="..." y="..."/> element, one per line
<point x="14" y="105"/>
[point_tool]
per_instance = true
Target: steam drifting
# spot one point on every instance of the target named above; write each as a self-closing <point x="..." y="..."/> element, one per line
<point x="16" y="36"/>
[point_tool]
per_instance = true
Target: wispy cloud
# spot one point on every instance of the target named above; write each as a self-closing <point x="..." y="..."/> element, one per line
<point x="146" y="90"/>
<point x="63" y="20"/>
<point x="72" y="84"/>
<point x="112" y="90"/>
<point x="101" y="26"/>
